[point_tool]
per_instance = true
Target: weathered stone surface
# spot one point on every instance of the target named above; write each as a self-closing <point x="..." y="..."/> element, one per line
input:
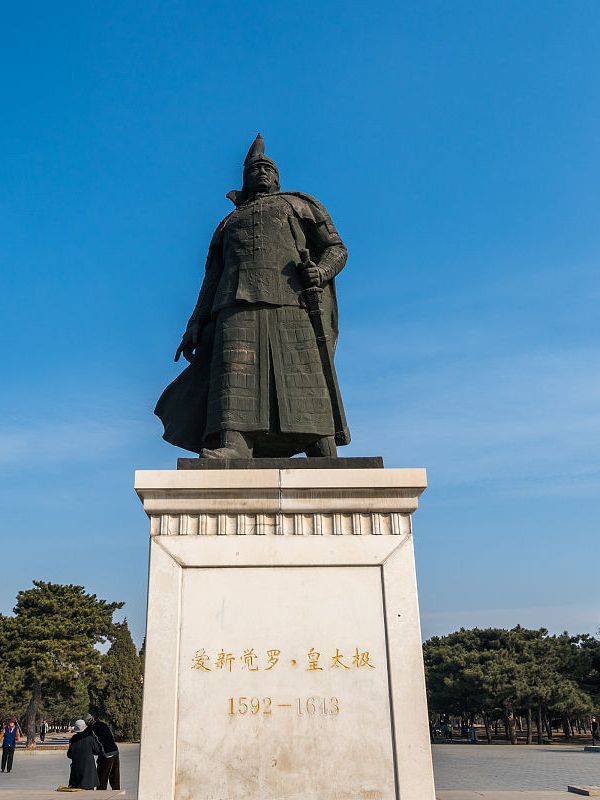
<point x="267" y="494"/>
<point x="365" y="462"/>
<point x="283" y="666"/>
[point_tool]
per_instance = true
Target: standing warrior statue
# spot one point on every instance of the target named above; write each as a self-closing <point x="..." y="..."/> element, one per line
<point x="260" y="341"/>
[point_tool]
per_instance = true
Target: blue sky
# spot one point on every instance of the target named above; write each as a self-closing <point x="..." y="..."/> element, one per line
<point x="457" y="147"/>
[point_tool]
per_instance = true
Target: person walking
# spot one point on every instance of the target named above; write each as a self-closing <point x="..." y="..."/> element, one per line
<point x="10" y="737"/>
<point x="109" y="768"/>
<point x="83" y="746"/>
<point x="43" y="730"/>
<point x="595" y="731"/>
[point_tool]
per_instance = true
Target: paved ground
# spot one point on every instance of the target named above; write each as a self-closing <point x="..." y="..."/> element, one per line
<point x="463" y="772"/>
<point x="44" y="794"/>
<point x="54" y="741"/>
<point x="465" y="795"/>
<point x="43" y="770"/>
<point x="487" y="768"/>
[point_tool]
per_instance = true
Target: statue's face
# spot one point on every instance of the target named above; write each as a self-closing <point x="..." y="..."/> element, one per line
<point x="261" y="177"/>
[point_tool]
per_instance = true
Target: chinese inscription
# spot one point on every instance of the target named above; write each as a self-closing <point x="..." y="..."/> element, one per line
<point x="253" y="662"/>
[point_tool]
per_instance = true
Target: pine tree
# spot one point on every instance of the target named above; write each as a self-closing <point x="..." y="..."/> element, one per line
<point x="52" y="641"/>
<point x="498" y="673"/>
<point x="119" y="701"/>
<point x="12" y="698"/>
<point x="63" y="707"/>
<point x="142" y="655"/>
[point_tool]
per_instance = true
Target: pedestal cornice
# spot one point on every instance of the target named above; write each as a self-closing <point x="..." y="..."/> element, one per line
<point x="280" y="502"/>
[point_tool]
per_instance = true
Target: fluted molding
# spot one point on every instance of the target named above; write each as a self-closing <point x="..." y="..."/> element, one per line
<point x="320" y="524"/>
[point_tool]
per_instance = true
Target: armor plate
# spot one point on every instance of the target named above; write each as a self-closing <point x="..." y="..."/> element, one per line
<point x="266" y="374"/>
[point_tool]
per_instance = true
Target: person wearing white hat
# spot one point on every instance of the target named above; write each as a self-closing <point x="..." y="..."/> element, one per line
<point x="83" y="746"/>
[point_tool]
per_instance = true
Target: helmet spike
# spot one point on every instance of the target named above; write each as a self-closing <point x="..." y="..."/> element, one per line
<point x="256" y="151"/>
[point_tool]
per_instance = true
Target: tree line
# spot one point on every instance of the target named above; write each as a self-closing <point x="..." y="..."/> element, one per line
<point x="53" y="666"/>
<point x="523" y="679"/>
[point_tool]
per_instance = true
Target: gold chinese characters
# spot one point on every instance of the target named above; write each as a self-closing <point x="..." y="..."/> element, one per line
<point x="249" y="660"/>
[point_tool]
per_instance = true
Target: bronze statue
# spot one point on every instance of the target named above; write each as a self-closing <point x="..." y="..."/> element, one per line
<point x="260" y="341"/>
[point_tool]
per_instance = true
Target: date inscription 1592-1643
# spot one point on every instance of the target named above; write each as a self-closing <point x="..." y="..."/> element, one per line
<point x="304" y="706"/>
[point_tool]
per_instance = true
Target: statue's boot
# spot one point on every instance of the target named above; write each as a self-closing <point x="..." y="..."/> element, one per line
<point x="233" y="445"/>
<point x="322" y="448"/>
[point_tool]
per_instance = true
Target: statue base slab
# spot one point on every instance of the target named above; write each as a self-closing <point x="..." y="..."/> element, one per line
<point x="370" y="462"/>
<point x="283" y="648"/>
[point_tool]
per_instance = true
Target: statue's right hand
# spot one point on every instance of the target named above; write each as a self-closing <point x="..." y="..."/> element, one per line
<point x="188" y="345"/>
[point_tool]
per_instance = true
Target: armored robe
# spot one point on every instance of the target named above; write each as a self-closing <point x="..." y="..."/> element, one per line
<point x="257" y="367"/>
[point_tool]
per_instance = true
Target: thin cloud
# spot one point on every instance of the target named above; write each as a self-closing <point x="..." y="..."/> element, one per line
<point x="61" y="440"/>
<point x="525" y="421"/>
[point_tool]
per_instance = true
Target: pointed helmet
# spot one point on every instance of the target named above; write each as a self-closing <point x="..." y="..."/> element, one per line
<point x="256" y="153"/>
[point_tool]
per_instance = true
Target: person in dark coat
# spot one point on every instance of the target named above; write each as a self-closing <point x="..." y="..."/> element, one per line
<point x="108" y="760"/>
<point x="83" y="746"/>
<point x="10" y="736"/>
<point x="595" y="731"/>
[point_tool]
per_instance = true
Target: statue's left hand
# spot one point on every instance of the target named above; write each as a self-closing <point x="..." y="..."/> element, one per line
<point x="188" y="345"/>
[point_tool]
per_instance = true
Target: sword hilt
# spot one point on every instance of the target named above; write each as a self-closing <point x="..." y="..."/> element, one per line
<point x="304" y="262"/>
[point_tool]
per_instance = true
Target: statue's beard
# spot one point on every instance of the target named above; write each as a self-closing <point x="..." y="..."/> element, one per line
<point x="260" y="190"/>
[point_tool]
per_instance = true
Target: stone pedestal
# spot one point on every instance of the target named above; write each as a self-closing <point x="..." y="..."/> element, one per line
<point x="283" y="649"/>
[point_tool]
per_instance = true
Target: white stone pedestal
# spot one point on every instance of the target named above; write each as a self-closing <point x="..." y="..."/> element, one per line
<point x="283" y="649"/>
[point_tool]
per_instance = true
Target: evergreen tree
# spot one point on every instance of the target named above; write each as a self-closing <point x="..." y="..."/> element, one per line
<point x="52" y="642"/>
<point x="142" y="655"/>
<point x="119" y="701"/>
<point x="509" y="674"/>
<point x="12" y="698"/>
<point x="63" y="707"/>
<point x="587" y="667"/>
